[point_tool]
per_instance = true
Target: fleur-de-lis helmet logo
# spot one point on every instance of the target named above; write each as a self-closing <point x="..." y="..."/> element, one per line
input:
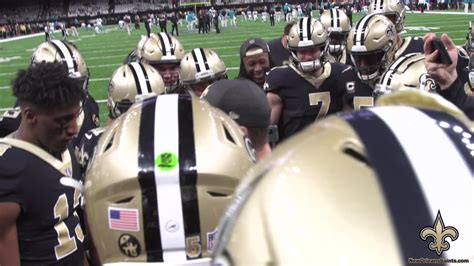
<point x="439" y="233"/>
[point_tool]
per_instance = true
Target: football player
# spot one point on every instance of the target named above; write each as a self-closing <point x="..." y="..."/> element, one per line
<point x="200" y="68"/>
<point x="164" y="53"/>
<point x="345" y="185"/>
<point x="40" y="189"/>
<point x="308" y="88"/>
<point x="67" y="54"/>
<point x="279" y="54"/>
<point x="371" y="44"/>
<point x="173" y="162"/>
<point x="447" y="76"/>
<point x="255" y="61"/>
<point x="246" y="103"/>
<point x="128" y="82"/>
<point x="127" y="21"/>
<point x="338" y="26"/>
<point x="409" y="72"/>
<point x="465" y="66"/>
<point x="395" y="11"/>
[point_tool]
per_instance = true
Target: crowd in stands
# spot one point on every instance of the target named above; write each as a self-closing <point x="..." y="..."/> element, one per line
<point x="29" y="19"/>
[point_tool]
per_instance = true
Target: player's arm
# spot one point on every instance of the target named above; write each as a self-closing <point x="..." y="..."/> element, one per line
<point x="276" y="104"/>
<point x="9" y="252"/>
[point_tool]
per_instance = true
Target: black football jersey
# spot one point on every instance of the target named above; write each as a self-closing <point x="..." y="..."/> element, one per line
<point x="304" y="101"/>
<point x="45" y="187"/>
<point x="88" y="120"/>
<point x="462" y="66"/>
<point x="359" y="95"/>
<point x="86" y="148"/>
<point x="410" y="45"/>
<point x="278" y="54"/>
<point x="10" y="121"/>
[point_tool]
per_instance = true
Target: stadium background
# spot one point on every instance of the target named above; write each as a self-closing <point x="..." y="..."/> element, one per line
<point x="104" y="52"/>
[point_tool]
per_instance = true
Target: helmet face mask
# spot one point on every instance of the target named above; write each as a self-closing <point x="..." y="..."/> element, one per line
<point x="368" y="65"/>
<point x="337" y="42"/>
<point x="371" y="44"/>
<point x="307" y="34"/>
<point x="338" y="26"/>
<point x="164" y="53"/>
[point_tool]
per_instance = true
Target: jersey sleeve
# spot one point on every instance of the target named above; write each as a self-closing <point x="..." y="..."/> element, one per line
<point x="273" y="81"/>
<point x="10" y="174"/>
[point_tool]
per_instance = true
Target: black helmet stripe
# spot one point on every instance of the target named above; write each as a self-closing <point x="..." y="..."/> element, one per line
<point x="147" y="80"/>
<point x="200" y="60"/>
<point x="66" y="55"/>
<point x="146" y="179"/>
<point x="169" y="166"/>
<point x="141" y="78"/>
<point x="335" y="19"/>
<point x="166" y="44"/>
<point x="416" y="173"/>
<point x="360" y="30"/>
<point x="188" y="175"/>
<point x="305" y="29"/>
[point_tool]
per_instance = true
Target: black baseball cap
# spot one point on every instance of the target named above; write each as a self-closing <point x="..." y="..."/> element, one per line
<point x="243" y="100"/>
<point x="253" y="46"/>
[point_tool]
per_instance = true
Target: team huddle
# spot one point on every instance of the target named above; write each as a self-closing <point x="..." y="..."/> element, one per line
<point x="194" y="168"/>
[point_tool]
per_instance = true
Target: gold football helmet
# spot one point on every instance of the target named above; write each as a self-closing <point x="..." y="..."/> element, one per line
<point x="405" y="73"/>
<point x="371" y="44"/>
<point x="338" y="26"/>
<point x="307" y="33"/>
<point x="160" y="179"/>
<point x="339" y="201"/>
<point x="131" y="80"/>
<point x="201" y="65"/>
<point x="392" y="9"/>
<point x="160" y="48"/>
<point x="65" y="53"/>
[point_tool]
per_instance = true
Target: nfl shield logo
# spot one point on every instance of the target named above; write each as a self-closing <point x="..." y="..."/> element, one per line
<point x="211" y="240"/>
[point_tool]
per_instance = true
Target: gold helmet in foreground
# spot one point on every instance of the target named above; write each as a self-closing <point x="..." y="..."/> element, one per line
<point x="161" y="177"/>
<point x="335" y="192"/>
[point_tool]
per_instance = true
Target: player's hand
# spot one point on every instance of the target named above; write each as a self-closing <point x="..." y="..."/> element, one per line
<point x="443" y="74"/>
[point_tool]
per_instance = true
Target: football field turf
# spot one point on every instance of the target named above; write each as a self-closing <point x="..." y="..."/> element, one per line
<point x="104" y="52"/>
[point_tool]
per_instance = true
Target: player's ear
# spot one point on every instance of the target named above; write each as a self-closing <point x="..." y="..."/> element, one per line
<point x="245" y="130"/>
<point x="29" y="114"/>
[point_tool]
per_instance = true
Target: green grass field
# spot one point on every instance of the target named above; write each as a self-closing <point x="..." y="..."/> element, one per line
<point x="105" y="52"/>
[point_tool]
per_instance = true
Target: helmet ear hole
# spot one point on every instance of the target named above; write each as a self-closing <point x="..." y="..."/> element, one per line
<point x="228" y="135"/>
<point x="124" y="200"/>
<point x="355" y="154"/>
<point x="109" y="143"/>
<point x="217" y="194"/>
